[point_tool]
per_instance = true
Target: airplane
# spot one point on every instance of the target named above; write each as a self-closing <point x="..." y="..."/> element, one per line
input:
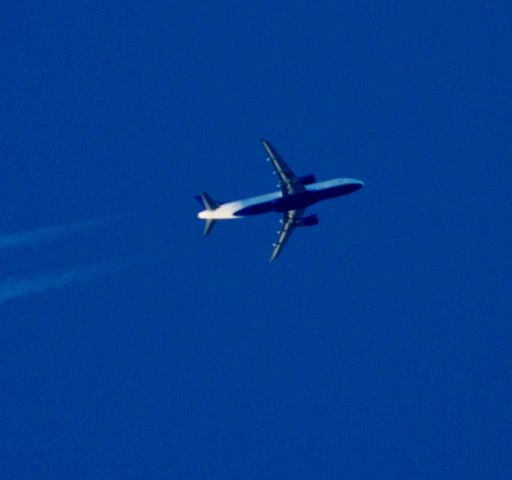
<point x="295" y="195"/>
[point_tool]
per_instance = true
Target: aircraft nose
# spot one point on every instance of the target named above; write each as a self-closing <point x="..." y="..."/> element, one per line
<point x="357" y="185"/>
<point x="354" y="186"/>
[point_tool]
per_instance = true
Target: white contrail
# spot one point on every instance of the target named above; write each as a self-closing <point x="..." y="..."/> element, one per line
<point x="22" y="286"/>
<point x="32" y="237"/>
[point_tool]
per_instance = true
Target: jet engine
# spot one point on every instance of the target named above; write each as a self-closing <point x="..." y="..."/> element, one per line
<point x="307" y="179"/>
<point x="308" y="221"/>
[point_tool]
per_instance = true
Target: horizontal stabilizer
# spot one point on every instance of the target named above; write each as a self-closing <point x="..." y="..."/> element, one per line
<point x="208" y="202"/>
<point x="209" y="223"/>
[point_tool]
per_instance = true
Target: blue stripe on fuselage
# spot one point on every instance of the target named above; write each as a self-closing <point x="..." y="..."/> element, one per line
<point x="256" y="209"/>
<point x="295" y="201"/>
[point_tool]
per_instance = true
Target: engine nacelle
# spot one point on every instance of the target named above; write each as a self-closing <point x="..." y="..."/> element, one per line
<point x="308" y="221"/>
<point x="307" y="179"/>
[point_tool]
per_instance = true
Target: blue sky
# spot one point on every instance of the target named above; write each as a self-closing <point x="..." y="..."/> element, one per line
<point x="377" y="346"/>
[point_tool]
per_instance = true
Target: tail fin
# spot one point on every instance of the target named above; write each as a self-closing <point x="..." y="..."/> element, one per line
<point x="209" y="204"/>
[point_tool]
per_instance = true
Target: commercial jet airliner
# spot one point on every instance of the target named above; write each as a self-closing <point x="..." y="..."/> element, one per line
<point x="297" y="193"/>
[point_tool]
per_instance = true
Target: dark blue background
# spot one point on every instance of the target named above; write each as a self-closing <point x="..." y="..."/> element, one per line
<point x="377" y="346"/>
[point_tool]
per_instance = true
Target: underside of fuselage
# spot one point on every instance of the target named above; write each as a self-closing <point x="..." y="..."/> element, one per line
<point x="277" y="202"/>
<point x="280" y="204"/>
<point x="298" y="201"/>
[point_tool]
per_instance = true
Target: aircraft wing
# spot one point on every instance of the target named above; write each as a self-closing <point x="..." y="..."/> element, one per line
<point x="284" y="234"/>
<point x="288" y="181"/>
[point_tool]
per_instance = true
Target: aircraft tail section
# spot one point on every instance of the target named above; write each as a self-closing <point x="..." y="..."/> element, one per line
<point x="208" y="203"/>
